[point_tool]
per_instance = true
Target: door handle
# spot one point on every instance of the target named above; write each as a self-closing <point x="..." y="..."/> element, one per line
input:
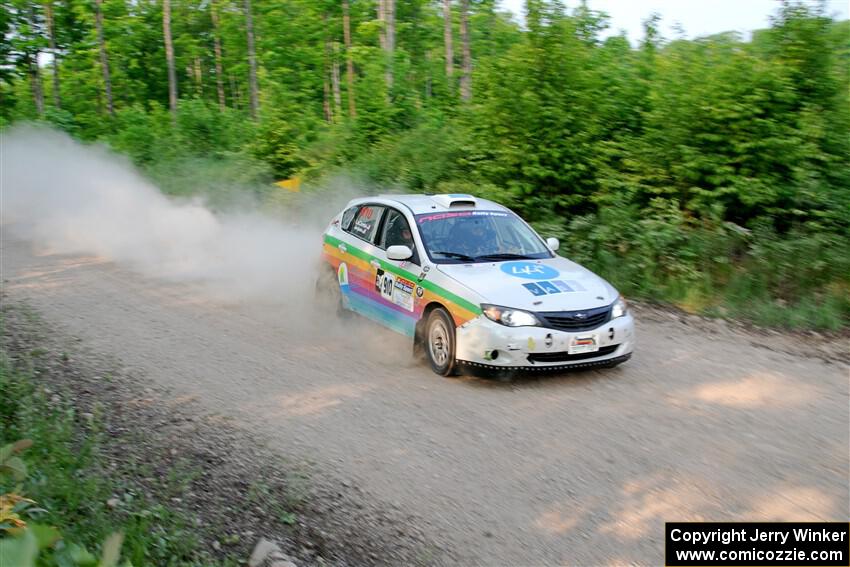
<point x="375" y="263"/>
<point x="342" y="248"/>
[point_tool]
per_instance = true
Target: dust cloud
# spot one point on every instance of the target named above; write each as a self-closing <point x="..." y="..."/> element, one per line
<point x="70" y="198"/>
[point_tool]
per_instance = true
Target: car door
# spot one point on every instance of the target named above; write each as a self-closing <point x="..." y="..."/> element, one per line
<point x="355" y="250"/>
<point x="395" y="281"/>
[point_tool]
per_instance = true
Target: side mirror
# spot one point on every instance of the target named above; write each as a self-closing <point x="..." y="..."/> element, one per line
<point x="553" y="244"/>
<point x="399" y="253"/>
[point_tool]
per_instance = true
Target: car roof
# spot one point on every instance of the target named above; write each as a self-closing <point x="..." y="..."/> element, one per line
<point x="421" y="203"/>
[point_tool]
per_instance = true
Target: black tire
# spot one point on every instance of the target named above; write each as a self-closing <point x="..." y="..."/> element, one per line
<point x="439" y="342"/>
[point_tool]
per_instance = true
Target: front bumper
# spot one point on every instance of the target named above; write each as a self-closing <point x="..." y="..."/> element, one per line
<point x="483" y="343"/>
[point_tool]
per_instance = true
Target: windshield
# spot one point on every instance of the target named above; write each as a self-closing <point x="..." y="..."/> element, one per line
<point x="478" y="236"/>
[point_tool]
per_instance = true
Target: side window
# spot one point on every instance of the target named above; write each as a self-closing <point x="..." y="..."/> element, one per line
<point x="396" y="231"/>
<point x="366" y="222"/>
<point x="347" y="218"/>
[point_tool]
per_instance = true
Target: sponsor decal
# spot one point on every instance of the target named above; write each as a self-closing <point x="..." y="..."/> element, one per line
<point x="440" y="216"/>
<point x="530" y="270"/>
<point x="420" y="291"/>
<point x="394" y="289"/>
<point x="362" y="227"/>
<point x="384" y="284"/>
<point x="549" y="287"/>
<point x="553" y="286"/>
<point x="403" y="293"/>
<point x="534" y="288"/>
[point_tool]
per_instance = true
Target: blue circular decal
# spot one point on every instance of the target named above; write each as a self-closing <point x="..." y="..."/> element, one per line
<point x="530" y="270"/>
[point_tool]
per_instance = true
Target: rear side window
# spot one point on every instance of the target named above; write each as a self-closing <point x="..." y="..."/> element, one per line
<point x="348" y="218"/>
<point x="366" y="222"/>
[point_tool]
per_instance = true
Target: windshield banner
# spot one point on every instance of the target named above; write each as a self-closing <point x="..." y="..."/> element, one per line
<point x="440" y="216"/>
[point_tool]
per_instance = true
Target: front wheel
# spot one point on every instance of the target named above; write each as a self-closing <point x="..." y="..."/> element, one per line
<point x="440" y="342"/>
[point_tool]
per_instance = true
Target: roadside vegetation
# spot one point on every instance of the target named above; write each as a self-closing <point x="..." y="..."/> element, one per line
<point x="62" y="501"/>
<point x="82" y="481"/>
<point x="712" y="174"/>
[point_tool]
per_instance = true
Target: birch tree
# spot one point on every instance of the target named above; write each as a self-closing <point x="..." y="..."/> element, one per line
<point x="466" y="66"/>
<point x="104" y="58"/>
<point x="349" y="63"/>
<point x="252" y="61"/>
<point x="447" y="37"/>
<point x="219" y="67"/>
<point x="169" y="58"/>
<point x="51" y="38"/>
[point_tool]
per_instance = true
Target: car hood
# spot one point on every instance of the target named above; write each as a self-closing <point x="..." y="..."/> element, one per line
<point x="554" y="284"/>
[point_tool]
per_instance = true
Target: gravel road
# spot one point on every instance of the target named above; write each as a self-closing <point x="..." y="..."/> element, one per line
<point x="706" y="422"/>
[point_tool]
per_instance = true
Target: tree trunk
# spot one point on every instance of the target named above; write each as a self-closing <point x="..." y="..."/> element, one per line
<point x="346" y="31"/>
<point x="199" y="77"/>
<point x="447" y="37"/>
<point x="51" y="37"/>
<point x="382" y="30"/>
<point x="466" y="69"/>
<point x="326" y="71"/>
<point x="389" y="19"/>
<point x="335" y="80"/>
<point x="219" y="68"/>
<point x="35" y="82"/>
<point x="252" y="60"/>
<point x="104" y="59"/>
<point x="326" y="99"/>
<point x="169" y="58"/>
<point x="32" y="66"/>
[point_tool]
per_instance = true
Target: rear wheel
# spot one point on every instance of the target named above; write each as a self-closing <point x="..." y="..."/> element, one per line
<point x="439" y="342"/>
<point x="328" y="294"/>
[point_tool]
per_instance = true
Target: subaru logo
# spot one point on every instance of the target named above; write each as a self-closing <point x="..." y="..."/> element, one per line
<point x="580" y="316"/>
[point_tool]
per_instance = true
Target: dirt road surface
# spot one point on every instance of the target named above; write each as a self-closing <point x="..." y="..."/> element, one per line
<point x="583" y="468"/>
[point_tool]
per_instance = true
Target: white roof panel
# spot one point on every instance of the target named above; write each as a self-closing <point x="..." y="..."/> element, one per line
<point x="420" y="203"/>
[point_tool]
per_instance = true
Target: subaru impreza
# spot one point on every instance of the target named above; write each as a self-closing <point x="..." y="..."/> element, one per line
<point x="472" y="284"/>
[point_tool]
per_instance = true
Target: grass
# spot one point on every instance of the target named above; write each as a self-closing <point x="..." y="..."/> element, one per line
<point x="77" y="488"/>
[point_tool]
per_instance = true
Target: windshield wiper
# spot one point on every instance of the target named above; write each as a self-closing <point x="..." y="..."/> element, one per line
<point x="504" y="256"/>
<point x="457" y="255"/>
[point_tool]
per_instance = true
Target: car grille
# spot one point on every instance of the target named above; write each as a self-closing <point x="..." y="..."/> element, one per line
<point x="576" y="321"/>
<point x="567" y="357"/>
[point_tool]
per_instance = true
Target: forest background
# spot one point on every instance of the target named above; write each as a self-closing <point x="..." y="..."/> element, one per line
<point x="710" y="173"/>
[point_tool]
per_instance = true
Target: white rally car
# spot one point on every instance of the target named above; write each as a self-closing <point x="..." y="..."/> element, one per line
<point x="472" y="284"/>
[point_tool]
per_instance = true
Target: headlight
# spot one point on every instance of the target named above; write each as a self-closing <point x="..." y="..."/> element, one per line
<point x="509" y="317"/>
<point x="620" y="308"/>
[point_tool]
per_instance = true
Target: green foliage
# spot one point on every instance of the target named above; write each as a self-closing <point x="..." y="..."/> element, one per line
<point x="54" y="489"/>
<point x="227" y="181"/>
<point x="693" y="171"/>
